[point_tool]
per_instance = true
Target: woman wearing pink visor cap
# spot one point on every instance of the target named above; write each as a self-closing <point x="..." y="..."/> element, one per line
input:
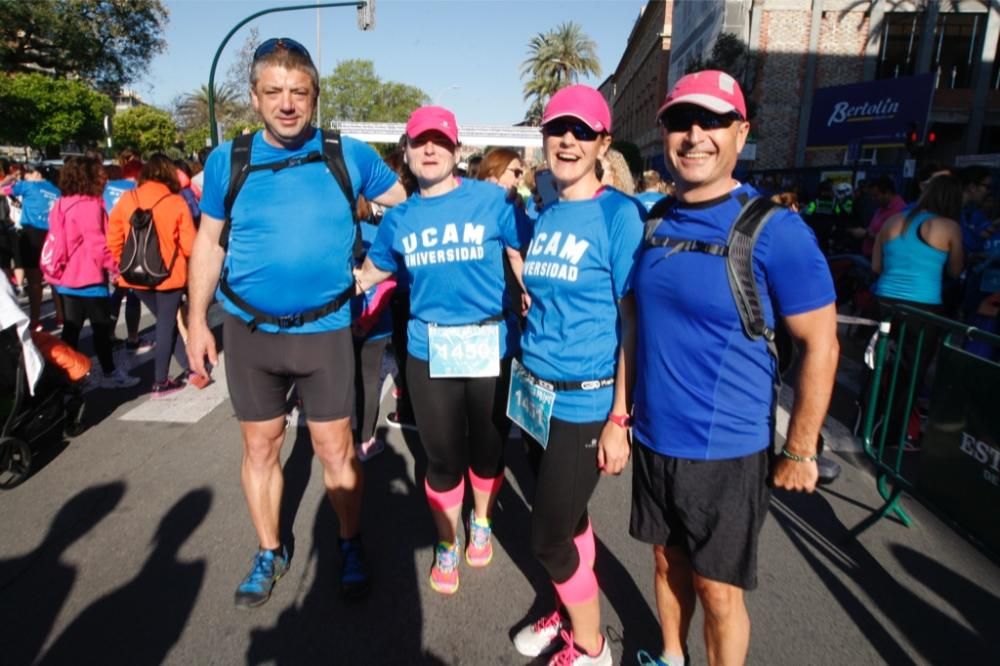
<point x="568" y="392"/>
<point x="448" y="242"/>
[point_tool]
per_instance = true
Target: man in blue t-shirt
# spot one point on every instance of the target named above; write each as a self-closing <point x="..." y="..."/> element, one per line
<point x="703" y="414"/>
<point x="290" y="257"/>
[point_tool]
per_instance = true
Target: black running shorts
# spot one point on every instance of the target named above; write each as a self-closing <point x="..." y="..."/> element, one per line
<point x="712" y="509"/>
<point x="261" y="367"/>
<point x="32" y="239"/>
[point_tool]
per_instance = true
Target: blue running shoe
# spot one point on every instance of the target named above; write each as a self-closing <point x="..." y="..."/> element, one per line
<point x="256" y="588"/>
<point x="354" y="579"/>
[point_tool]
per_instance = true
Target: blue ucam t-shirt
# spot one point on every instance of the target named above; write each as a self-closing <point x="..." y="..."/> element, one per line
<point x="451" y="247"/>
<point x="703" y="389"/>
<point x="579" y="265"/>
<point x="37" y="199"/>
<point x="113" y="191"/>
<point x="383" y="327"/>
<point x="292" y="240"/>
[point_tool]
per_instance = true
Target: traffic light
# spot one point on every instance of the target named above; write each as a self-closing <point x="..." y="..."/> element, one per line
<point x="913" y="139"/>
<point x="931" y="138"/>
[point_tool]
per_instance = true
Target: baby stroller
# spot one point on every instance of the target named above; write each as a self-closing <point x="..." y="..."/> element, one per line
<point x="30" y="417"/>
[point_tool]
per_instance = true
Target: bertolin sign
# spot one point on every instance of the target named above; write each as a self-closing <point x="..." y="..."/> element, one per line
<point x="873" y="113"/>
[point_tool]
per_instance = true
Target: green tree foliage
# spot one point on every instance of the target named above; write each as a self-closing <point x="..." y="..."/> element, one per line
<point x="43" y="112"/>
<point x="240" y="111"/>
<point x="145" y="129"/>
<point x="730" y="55"/>
<point x="355" y="92"/>
<point x="106" y="42"/>
<point x="555" y="60"/>
<point x="191" y="110"/>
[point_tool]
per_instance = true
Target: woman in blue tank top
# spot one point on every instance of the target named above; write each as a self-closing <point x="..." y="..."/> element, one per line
<point x="911" y="253"/>
<point x="912" y="249"/>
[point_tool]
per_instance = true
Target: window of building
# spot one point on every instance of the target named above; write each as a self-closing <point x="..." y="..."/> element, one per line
<point x="900" y="43"/>
<point x="957" y="44"/>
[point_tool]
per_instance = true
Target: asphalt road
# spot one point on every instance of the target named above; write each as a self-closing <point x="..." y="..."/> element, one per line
<point x="127" y="543"/>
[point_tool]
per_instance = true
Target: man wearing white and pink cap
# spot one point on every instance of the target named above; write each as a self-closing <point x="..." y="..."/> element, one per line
<point x="704" y="415"/>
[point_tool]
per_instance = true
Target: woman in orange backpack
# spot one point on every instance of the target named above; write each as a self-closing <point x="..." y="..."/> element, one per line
<point x="158" y="192"/>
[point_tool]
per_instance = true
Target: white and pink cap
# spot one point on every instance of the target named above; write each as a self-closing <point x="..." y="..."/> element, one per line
<point x="432" y="119"/>
<point x="580" y="102"/>
<point x="711" y="89"/>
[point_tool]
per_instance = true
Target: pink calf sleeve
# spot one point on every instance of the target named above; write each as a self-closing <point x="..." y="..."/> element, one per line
<point x="483" y="485"/>
<point x="449" y="499"/>
<point x="585" y="545"/>
<point x="581" y="586"/>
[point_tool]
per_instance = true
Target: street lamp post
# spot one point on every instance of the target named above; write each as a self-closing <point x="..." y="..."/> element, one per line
<point x="366" y="21"/>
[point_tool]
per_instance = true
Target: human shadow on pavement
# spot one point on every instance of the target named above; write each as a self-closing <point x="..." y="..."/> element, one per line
<point x="296" y="472"/>
<point x="35" y="586"/>
<point x="811" y="524"/>
<point x="386" y="627"/>
<point x="141" y="621"/>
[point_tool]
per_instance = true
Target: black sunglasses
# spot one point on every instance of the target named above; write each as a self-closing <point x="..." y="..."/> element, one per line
<point x="682" y="118"/>
<point x="271" y="45"/>
<point x="581" y="131"/>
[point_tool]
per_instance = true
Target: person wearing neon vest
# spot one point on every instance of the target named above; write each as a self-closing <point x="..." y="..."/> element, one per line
<point x="704" y="393"/>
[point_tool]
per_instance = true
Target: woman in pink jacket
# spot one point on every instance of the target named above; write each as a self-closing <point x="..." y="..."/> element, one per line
<point x="79" y="263"/>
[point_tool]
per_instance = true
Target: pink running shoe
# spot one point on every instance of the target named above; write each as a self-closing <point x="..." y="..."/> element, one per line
<point x="479" y="551"/>
<point x="444" y="573"/>
<point x="369" y="449"/>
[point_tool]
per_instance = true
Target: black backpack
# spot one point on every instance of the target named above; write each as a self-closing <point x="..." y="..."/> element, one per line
<point x="239" y="169"/>
<point x="142" y="263"/>
<point x="738" y="253"/>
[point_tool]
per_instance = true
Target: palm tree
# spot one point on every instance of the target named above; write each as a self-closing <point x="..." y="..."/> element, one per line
<point x="557" y="59"/>
<point x="192" y="109"/>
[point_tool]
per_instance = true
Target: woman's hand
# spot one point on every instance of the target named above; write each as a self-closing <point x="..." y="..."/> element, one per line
<point x="613" y="449"/>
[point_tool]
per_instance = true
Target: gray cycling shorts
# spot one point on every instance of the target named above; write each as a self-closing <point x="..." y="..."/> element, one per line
<point x="261" y="368"/>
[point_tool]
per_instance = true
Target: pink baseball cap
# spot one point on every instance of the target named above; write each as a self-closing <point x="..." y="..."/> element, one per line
<point x="710" y="89"/>
<point x="432" y="119"/>
<point x="581" y="102"/>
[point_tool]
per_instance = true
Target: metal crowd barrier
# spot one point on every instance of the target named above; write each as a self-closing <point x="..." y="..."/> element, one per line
<point x="956" y="471"/>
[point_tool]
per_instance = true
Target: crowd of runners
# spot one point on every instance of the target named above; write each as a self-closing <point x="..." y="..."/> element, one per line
<point x="597" y="319"/>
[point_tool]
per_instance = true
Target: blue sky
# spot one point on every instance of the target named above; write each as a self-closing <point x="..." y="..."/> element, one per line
<point x="465" y="54"/>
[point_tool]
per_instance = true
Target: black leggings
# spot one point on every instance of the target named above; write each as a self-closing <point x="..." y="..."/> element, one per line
<point x="77" y="309"/>
<point x="399" y="303"/>
<point x="367" y="370"/>
<point x="133" y="310"/>
<point x="567" y="475"/>
<point x="462" y="422"/>
<point x="164" y="306"/>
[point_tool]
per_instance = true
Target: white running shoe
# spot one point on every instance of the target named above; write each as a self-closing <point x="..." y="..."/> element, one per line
<point x="541" y="637"/>
<point x="571" y="656"/>
<point x="118" y="379"/>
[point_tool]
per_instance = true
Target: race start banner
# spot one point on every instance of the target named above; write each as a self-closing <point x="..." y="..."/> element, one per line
<point x="874" y="113"/>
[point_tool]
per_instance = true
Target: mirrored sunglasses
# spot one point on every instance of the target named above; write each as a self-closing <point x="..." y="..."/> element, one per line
<point x="273" y="44"/>
<point x="682" y="118"/>
<point x="580" y="130"/>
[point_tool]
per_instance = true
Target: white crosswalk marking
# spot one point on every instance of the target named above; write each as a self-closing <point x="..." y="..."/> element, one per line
<point x="188" y="405"/>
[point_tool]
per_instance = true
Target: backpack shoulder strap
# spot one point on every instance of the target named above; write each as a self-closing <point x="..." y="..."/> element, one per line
<point x="333" y="155"/>
<point x="743" y="235"/>
<point x="239" y="169"/>
<point x="654" y="218"/>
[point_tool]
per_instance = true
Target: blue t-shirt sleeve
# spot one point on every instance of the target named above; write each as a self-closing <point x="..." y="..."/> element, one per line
<point x="213" y="195"/>
<point x="376" y="176"/>
<point x="381" y="252"/>
<point x="18" y="189"/>
<point x="510" y="225"/>
<point x="797" y="272"/>
<point x="625" y="235"/>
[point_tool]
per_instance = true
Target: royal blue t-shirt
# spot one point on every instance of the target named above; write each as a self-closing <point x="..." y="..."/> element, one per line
<point x="703" y="389"/>
<point x="37" y="199"/>
<point x="451" y="247"/>
<point x="579" y="265"/>
<point x="93" y="291"/>
<point x="649" y="199"/>
<point x="113" y="191"/>
<point x="292" y="240"/>
<point x="383" y="327"/>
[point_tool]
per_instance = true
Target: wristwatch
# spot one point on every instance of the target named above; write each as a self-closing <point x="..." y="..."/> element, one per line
<point x="621" y="420"/>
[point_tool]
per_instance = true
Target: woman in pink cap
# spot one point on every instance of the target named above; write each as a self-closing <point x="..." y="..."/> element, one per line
<point x="569" y="386"/>
<point x="447" y="242"/>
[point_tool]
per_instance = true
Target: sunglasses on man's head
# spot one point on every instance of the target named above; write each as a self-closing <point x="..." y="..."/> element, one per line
<point x="580" y="130"/>
<point x="681" y="118"/>
<point x="275" y="43"/>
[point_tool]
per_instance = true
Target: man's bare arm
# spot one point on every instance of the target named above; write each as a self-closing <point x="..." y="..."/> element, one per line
<point x="204" y="270"/>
